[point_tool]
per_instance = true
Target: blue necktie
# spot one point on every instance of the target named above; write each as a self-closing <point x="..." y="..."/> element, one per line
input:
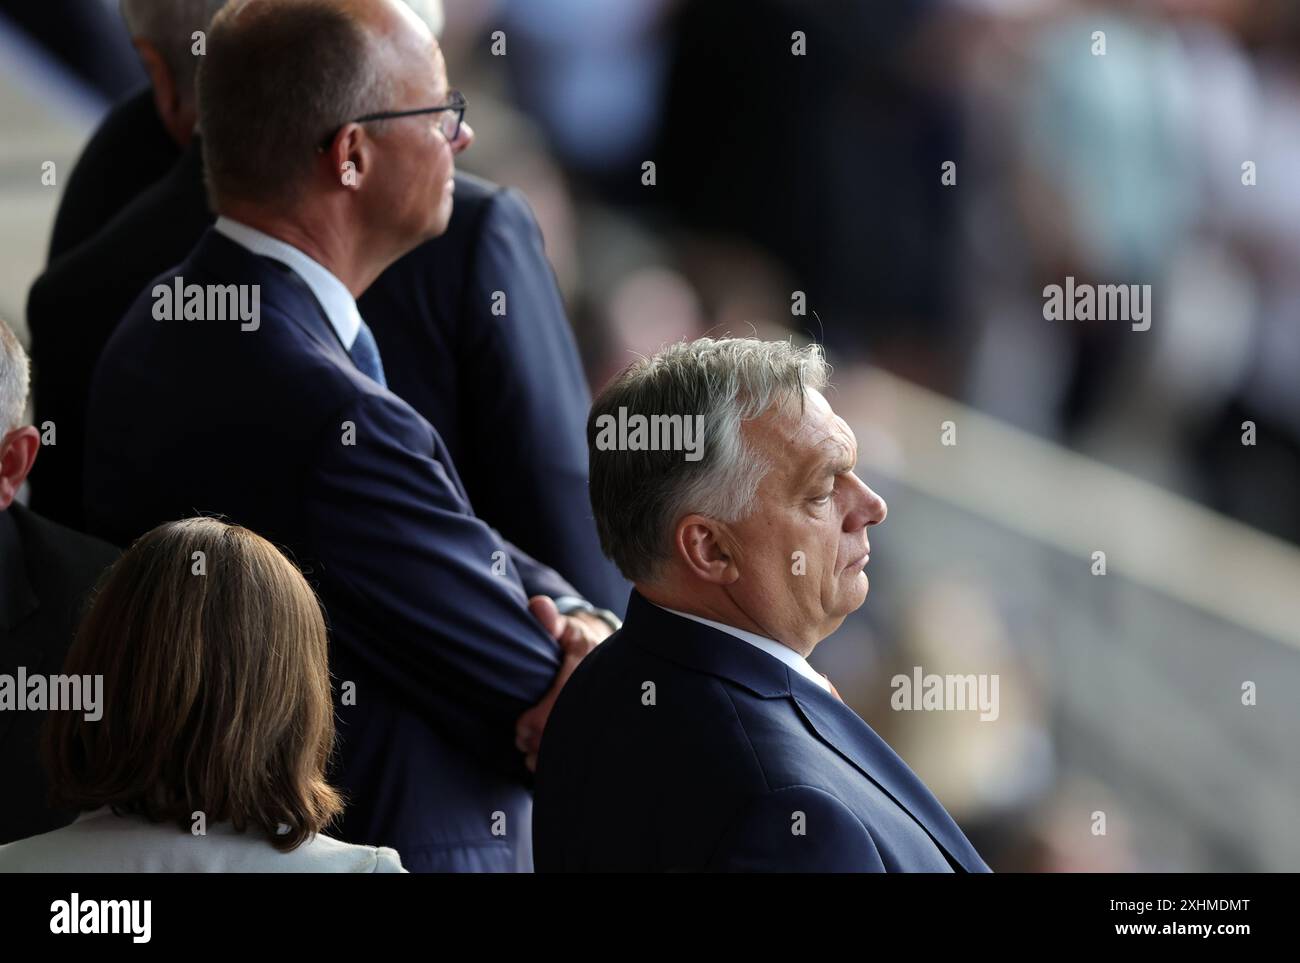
<point x="365" y="354"/>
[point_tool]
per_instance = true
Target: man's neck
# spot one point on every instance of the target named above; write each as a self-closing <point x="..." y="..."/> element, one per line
<point x="335" y="249"/>
<point x="718" y="606"/>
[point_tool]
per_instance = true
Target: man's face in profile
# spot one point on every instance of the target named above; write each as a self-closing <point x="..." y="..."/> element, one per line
<point x="419" y="161"/>
<point x="802" y="551"/>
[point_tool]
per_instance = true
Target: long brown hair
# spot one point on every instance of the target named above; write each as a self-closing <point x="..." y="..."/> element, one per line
<point x="216" y="693"/>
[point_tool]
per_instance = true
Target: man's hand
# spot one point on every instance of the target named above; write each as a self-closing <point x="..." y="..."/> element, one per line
<point x="577" y="635"/>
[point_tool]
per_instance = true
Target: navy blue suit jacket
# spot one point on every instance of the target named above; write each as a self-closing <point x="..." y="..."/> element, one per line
<point x="740" y="764"/>
<point x="506" y="391"/>
<point x="426" y="604"/>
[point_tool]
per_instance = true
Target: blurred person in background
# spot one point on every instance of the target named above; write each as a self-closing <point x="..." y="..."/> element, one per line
<point x="82" y="35"/>
<point x="1258" y="482"/>
<point x="92" y="278"/>
<point x="46" y="575"/>
<point x="607" y="64"/>
<point x="143" y="135"/>
<point x="827" y="161"/>
<point x="1130" y="167"/>
<point x="176" y="775"/>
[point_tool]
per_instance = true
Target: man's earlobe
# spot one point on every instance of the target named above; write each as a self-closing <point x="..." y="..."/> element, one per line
<point x="351" y="156"/>
<point x="18" y="451"/>
<point x="702" y="545"/>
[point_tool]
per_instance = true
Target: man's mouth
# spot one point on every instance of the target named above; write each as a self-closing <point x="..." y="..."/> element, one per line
<point x="859" y="562"/>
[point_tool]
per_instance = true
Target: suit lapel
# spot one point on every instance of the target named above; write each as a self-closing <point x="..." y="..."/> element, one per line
<point x="317" y="324"/>
<point x="705" y="649"/>
<point x="283" y="291"/>
<point x="288" y="294"/>
<point x="844" y="731"/>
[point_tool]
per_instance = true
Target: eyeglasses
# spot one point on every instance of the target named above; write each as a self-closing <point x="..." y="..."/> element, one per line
<point x="453" y="114"/>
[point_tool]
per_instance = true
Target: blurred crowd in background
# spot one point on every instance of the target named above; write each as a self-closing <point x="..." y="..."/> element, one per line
<point x="777" y="173"/>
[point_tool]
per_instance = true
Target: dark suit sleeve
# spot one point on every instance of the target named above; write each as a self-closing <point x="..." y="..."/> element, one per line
<point x="424" y="593"/>
<point x="536" y="578"/>
<point x="526" y="401"/>
<point x="763" y="837"/>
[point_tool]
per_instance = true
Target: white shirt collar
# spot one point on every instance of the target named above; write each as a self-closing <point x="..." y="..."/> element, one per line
<point x="773" y="648"/>
<point x="334" y="297"/>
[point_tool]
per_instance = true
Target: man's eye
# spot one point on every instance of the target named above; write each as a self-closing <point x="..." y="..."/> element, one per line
<point x="823" y="499"/>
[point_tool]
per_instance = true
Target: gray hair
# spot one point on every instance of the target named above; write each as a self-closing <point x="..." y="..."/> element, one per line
<point x="15" y="375"/>
<point x="279" y="78"/>
<point x="170" y="26"/>
<point x="638" y="496"/>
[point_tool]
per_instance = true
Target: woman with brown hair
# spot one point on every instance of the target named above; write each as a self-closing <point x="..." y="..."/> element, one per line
<point x="216" y="722"/>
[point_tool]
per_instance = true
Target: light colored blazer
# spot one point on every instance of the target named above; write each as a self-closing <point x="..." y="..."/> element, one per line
<point x="100" y="842"/>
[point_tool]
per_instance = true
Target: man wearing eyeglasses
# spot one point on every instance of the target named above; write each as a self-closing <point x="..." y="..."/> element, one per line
<point x="135" y="205"/>
<point x="329" y="143"/>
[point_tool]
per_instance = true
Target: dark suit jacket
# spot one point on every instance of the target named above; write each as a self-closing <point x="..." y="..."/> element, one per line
<point x="737" y="754"/>
<point x="129" y="151"/>
<point x="200" y="417"/>
<point x="46" y="575"/>
<point x="506" y="393"/>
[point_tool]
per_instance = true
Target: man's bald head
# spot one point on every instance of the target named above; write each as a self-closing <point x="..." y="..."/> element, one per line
<point x="280" y="75"/>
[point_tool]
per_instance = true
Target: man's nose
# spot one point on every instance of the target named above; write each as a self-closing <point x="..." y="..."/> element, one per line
<point x="463" y="139"/>
<point x="876" y="507"/>
<point x="868" y="508"/>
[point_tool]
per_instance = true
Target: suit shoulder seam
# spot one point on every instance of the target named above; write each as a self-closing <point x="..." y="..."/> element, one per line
<point x="758" y="763"/>
<point x="831" y="796"/>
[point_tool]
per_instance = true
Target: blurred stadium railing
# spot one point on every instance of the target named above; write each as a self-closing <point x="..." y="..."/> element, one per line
<point x="1120" y="693"/>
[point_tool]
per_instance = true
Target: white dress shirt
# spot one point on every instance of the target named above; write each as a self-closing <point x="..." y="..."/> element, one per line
<point x="334" y="297"/>
<point x="101" y="842"/>
<point x="772" y="647"/>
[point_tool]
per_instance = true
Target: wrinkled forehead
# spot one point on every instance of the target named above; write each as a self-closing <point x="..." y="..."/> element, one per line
<point x="801" y="439"/>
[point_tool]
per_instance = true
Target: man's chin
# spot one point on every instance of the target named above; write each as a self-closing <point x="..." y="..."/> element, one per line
<point x="857" y="592"/>
<point x="848" y="600"/>
<point x="438" y="226"/>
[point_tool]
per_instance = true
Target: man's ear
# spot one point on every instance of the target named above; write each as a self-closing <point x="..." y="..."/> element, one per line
<point x="350" y="154"/>
<point x="705" y="547"/>
<point x="17" y="454"/>
<point x="178" y="120"/>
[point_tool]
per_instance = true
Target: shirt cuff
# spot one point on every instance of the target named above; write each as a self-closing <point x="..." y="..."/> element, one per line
<point x="568" y="604"/>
